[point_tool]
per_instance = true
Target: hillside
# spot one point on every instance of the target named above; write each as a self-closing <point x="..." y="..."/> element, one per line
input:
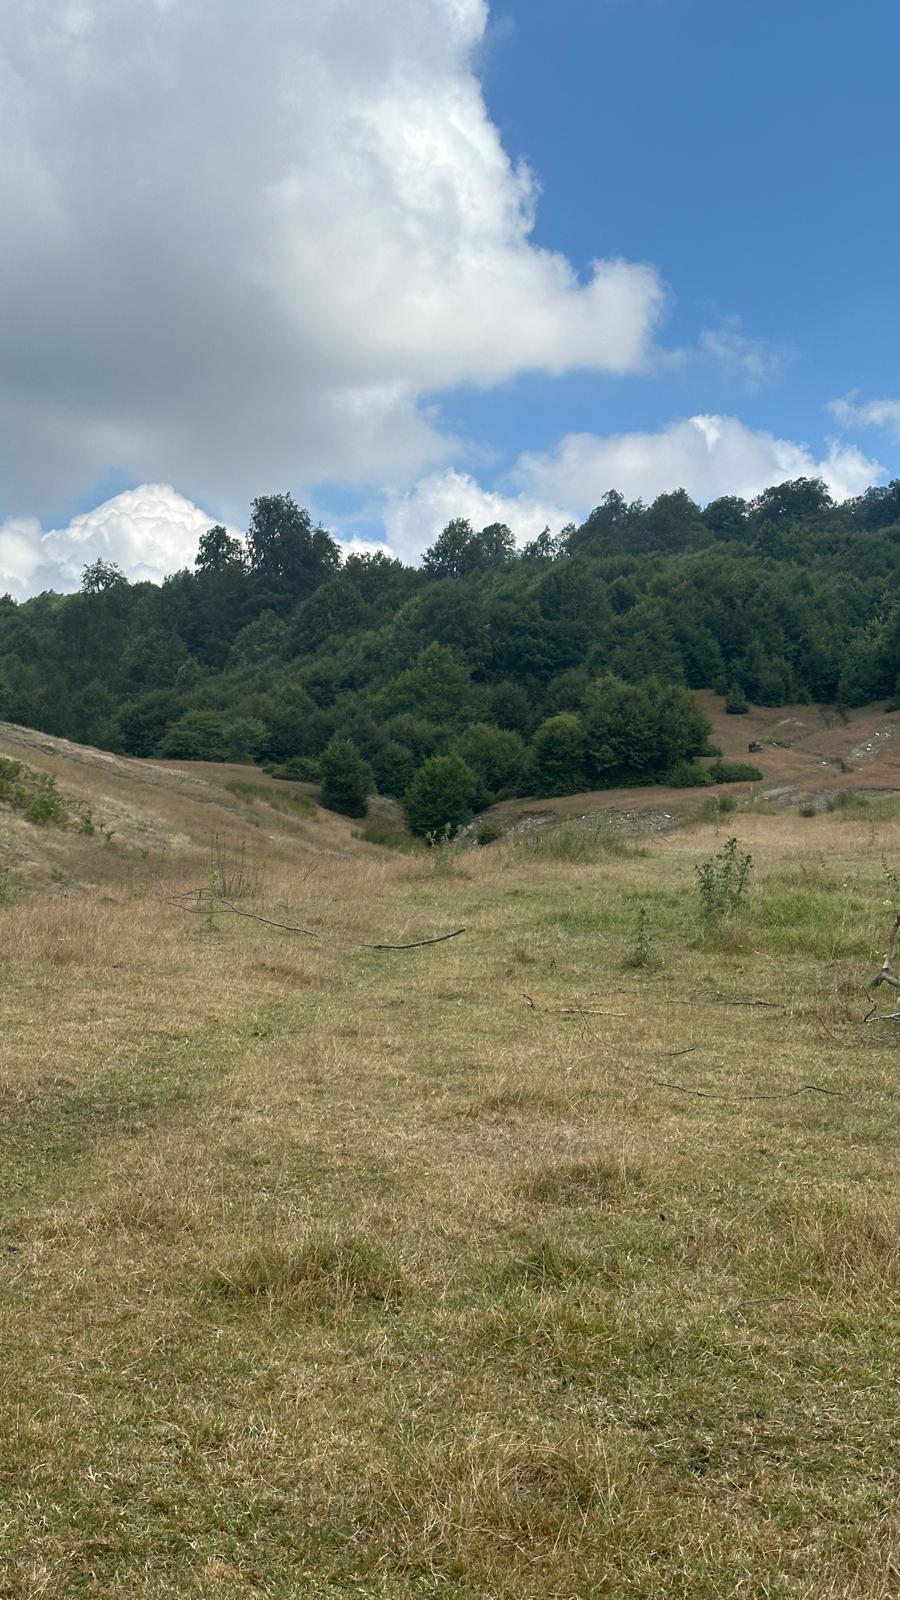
<point x="558" y="1257"/>
<point x="156" y="819"/>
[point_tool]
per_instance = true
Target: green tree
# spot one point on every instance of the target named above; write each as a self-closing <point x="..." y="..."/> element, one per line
<point x="197" y="736"/>
<point x="437" y="687"/>
<point x="288" y="557"/>
<point x="218" y="550"/>
<point x="558" y="755"/>
<point x="441" y="795"/>
<point x="497" y="757"/>
<point x="347" y="779"/>
<point x="99" y="576"/>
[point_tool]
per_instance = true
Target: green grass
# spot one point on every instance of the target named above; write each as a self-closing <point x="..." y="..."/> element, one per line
<point x="586" y="841"/>
<point x="291" y="803"/>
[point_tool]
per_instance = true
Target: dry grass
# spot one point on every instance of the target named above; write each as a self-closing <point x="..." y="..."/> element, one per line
<point x="331" y="1272"/>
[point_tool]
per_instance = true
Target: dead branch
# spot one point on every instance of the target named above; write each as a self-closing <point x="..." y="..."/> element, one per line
<point x="311" y="933"/>
<point x="572" y="1011"/>
<point x="784" y="1094"/>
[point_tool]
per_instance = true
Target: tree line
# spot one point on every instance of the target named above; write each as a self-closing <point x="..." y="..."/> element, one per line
<point x="566" y="665"/>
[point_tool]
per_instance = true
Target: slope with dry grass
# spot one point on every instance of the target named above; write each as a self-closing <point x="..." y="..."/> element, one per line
<point x="505" y="1268"/>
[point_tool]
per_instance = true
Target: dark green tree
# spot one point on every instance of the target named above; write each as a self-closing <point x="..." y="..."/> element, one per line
<point x="288" y="557"/>
<point x="441" y="796"/>
<point x="558" y="752"/>
<point x="347" y="779"/>
<point x="498" y="758"/>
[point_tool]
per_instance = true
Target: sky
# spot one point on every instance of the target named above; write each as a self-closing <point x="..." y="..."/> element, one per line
<point x="417" y="259"/>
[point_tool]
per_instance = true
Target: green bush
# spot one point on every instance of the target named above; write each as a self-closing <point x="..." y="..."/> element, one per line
<point x="347" y="779"/>
<point x="734" y="772"/>
<point x="297" y="769"/>
<point x="688" y="775"/>
<point x="440" y="796"/>
<point x="737" y="704"/>
<point x="489" y="833"/>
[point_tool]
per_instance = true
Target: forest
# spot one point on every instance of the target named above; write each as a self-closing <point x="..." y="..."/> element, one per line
<point x="486" y="671"/>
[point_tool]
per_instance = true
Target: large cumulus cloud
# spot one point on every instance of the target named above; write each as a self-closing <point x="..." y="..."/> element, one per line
<point x="244" y="240"/>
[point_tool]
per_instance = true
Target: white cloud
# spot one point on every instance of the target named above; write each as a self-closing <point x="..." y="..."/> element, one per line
<point x="148" y="532"/>
<point x="756" y="361"/>
<point x="706" y="455"/>
<point x="242" y="242"/>
<point x="869" y="414"/>
<point x="413" y="521"/>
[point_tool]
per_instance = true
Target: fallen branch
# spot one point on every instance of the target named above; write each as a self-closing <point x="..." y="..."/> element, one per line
<point x="311" y="933"/>
<point x="572" y="1011"/>
<point x="785" y="1094"/>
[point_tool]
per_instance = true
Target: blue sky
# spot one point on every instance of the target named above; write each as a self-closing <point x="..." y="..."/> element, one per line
<point x="350" y="250"/>
<point x="751" y="152"/>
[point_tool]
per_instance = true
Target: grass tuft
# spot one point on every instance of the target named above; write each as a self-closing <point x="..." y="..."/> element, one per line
<point x="325" y="1273"/>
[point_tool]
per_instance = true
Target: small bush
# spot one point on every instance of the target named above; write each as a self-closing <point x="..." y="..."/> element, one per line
<point x="734" y="772"/>
<point x="640" y="953"/>
<point x="722" y="882"/>
<point x="688" y="775"/>
<point x="297" y="769"/>
<point x="847" y="799"/>
<point x="34" y="794"/>
<point x="737" y="704"/>
<point x="489" y="833"/>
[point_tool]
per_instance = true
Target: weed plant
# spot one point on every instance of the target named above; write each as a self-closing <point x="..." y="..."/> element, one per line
<point x="722" y="882"/>
<point x="640" y="953"/>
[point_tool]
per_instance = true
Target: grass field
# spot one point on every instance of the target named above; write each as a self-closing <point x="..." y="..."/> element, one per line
<point x="548" y="1261"/>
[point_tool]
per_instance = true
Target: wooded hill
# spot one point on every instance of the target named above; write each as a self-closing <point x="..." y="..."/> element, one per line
<point x="565" y="666"/>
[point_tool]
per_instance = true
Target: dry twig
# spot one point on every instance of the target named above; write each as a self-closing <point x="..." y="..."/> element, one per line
<point x="310" y="933"/>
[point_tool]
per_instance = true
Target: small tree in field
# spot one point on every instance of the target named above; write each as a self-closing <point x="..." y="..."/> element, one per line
<point x="346" y="779"/>
<point x="441" y="796"/>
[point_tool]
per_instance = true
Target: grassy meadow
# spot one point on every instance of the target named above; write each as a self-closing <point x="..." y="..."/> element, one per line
<point x="560" y="1259"/>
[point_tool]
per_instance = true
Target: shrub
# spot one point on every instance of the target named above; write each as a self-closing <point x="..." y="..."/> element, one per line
<point x="688" y="775"/>
<point x="737" y="704"/>
<point x="197" y="736"/>
<point x="640" y="954"/>
<point x="347" y="779"/>
<point x="297" y="769"/>
<point x="844" y="801"/>
<point x="722" y="882"/>
<point x="734" y="772"/>
<point x="489" y="833"/>
<point x="440" y="796"/>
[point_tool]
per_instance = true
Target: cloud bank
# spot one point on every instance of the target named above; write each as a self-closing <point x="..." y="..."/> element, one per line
<point x="706" y="455"/>
<point x="243" y="244"/>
